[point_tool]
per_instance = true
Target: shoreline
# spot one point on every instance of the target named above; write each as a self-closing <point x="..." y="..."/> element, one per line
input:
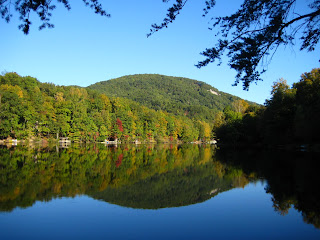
<point x="45" y="141"/>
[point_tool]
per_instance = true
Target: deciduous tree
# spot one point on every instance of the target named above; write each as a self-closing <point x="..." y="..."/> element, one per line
<point x="254" y="32"/>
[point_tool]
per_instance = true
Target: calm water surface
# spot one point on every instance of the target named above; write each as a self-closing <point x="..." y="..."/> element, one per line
<point x="158" y="192"/>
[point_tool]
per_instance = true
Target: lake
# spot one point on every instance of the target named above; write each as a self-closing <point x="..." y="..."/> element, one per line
<point x="158" y="192"/>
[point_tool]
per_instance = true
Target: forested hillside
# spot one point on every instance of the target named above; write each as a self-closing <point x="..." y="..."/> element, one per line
<point x="291" y="116"/>
<point x="31" y="109"/>
<point x="180" y="96"/>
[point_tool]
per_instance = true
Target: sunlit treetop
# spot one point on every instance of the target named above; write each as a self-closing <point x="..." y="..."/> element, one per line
<point x="254" y="32"/>
<point x="42" y="8"/>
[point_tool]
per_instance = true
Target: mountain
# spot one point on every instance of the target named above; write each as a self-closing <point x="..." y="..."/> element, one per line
<point x="132" y="108"/>
<point x="177" y="95"/>
<point x="30" y="109"/>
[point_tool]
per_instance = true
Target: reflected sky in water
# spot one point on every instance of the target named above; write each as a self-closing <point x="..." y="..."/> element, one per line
<point x="239" y="208"/>
<point x="236" y="214"/>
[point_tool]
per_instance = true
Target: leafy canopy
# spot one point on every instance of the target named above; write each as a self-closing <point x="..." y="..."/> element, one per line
<point x="43" y="8"/>
<point x="180" y="96"/>
<point x="254" y="32"/>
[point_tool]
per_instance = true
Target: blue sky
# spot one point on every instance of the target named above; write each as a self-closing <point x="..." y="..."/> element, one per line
<point x="85" y="48"/>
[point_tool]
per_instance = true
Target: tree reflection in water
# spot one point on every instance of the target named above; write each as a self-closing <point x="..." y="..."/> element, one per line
<point x="156" y="176"/>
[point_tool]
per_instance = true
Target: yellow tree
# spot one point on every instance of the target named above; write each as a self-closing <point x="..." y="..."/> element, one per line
<point x="240" y="106"/>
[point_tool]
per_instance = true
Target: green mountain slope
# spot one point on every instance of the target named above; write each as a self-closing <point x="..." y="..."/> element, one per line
<point x="31" y="109"/>
<point x="180" y="96"/>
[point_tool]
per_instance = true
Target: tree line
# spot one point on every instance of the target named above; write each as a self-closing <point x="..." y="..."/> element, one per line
<point x="30" y="109"/>
<point x="290" y="116"/>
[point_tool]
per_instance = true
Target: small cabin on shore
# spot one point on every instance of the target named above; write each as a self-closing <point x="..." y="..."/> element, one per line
<point x="64" y="140"/>
<point x="9" y="141"/>
<point x="111" y="141"/>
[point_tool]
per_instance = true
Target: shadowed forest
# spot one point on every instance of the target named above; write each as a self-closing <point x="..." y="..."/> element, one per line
<point x="290" y="116"/>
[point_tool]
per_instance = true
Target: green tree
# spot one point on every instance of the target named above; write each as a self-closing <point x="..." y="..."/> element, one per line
<point x="11" y="110"/>
<point x="279" y="113"/>
<point x="204" y="131"/>
<point x="307" y="113"/>
<point x="240" y="106"/>
<point x="231" y="115"/>
<point x="62" y="115"/>
<point x="219" y="119"/>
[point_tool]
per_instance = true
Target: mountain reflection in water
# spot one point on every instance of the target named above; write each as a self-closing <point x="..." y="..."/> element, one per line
<point x="156" y="176"/>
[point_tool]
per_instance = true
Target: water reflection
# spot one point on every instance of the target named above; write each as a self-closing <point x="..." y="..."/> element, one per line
<point x="157" y="176"/>
<point x="292" y="178"/>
